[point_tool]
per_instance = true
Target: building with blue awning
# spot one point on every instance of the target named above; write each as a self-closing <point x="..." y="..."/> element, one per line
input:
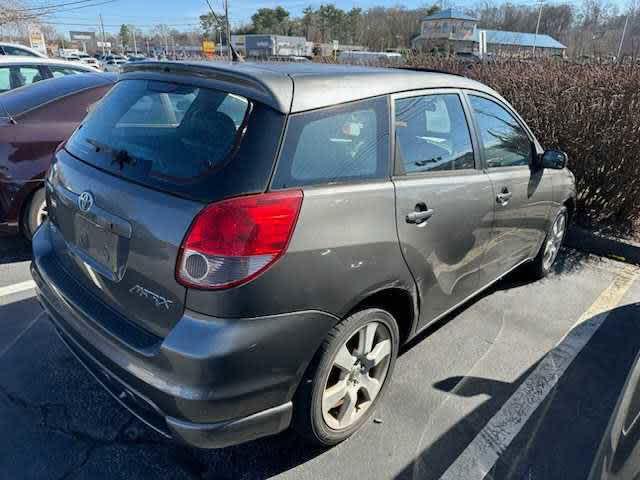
<point x="451" y="31"/>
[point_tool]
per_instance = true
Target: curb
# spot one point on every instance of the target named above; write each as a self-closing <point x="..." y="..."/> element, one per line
<point x="610" y="247"/>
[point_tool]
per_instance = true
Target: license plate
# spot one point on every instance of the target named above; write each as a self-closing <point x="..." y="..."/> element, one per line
<point x="96" y="242"/>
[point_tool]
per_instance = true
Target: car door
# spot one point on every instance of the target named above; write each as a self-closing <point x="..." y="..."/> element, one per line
<point x="444" y="201"/>
<point x="523" y="193"/>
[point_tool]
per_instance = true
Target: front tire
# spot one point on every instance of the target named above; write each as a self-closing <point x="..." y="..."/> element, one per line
<point x="542" y="264"/>
<point x="347" y="378"/>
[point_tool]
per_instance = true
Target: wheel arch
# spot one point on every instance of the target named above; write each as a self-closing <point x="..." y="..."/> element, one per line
<point x="400" y="301"/>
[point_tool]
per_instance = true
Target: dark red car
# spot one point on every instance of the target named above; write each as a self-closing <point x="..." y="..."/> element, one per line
<point x="34" y="120"/>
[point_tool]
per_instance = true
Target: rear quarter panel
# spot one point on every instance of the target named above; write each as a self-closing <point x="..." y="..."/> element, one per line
<point x="344" y="247"/>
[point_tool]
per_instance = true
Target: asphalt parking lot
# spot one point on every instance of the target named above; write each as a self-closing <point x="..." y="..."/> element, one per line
<point x="519" y="383"/>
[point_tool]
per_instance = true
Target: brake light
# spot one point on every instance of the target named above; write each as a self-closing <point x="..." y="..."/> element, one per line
<point x="232" y="241"/>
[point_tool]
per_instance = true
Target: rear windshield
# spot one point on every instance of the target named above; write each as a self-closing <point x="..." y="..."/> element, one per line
<point x="160" y="134"/>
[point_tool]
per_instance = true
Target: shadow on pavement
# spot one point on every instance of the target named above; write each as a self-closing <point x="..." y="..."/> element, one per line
<point x="14" y="249"/>
<point x="561" y="438"/>
<point x="603" y="245"/>
<point x="568" y="261"/>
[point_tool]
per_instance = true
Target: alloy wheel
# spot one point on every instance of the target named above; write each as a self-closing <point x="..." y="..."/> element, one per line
<point x="554" y="240"/>
<point x="357" y="375"/>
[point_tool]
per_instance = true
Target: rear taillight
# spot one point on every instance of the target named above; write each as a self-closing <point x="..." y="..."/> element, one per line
<point x="232" y="241"/>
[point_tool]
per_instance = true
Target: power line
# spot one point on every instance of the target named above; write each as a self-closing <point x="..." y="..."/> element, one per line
<point x="38" y="15"/>
<point x="120" y="24"/>
<point x="48" y="7"/>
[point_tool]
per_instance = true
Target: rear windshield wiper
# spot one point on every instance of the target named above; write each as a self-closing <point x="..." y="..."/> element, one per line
<point x="119" y="157"/>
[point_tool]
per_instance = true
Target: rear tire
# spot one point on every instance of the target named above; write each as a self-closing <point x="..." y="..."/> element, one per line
<point x="35" y="213"/>
<point x="343" y="385"/>
<point x="543" y="263"/>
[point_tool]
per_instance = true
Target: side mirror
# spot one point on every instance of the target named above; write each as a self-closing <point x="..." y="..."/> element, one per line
<point x="554" y="159"/>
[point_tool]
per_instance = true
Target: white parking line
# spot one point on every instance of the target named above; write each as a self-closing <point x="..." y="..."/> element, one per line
<point x="17" y="288"/>
<point x="481" y="455"/>
<point x="21" y="334"/>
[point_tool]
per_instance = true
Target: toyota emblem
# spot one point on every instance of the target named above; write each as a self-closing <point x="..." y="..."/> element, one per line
<point x="85" y="201"/>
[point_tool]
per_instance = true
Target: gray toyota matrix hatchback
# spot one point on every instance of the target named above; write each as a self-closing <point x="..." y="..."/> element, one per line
<point x="233" y="249"/>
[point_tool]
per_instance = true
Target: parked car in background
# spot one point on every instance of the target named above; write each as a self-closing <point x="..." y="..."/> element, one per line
<point x="89" y="60"/>
<point x="371" y="58"/>
<point x="19" y="50"/>
<point x="33" y="121"/>
<point x="136" y="58"/>
<point x="234" y="248"/>
<point x="113" y="65"/>
<point x="17" y="72"/>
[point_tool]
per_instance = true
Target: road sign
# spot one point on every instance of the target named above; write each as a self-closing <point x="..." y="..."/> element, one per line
<point x="36" y="39"/>
<point x="208" y="48"/>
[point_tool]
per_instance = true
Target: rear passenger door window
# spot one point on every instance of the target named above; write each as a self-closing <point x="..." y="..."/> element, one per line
<point x="5" y="82"/>
<point x="338" y="144"/>
<point x="504" y="141"/>
<point x="18" y="76"/>
<point x="432" y="134"/>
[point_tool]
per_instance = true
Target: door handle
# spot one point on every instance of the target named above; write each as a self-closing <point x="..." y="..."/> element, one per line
<point x="420" y="215"/>
<point x="503" y="197"/>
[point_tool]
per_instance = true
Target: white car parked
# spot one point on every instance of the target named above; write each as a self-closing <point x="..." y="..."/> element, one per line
<point x="113" y="65"/>
<point x="14" y="49"/>
<point x="89" y="60"/>
<point x="20" y="71"/>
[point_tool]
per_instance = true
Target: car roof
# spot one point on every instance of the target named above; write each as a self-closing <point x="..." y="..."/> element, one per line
<point x="17" y="45"/>
<point x="28" y="97"/>
<point x="20" y="60"/>
<point x="296" y="87"/>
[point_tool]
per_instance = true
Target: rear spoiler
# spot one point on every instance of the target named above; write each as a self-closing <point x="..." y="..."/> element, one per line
<point x="222" y="75"/>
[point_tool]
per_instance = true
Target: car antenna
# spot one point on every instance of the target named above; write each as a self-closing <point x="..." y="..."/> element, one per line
<point x="235" y="56"/>
<point x="9" y="117"/>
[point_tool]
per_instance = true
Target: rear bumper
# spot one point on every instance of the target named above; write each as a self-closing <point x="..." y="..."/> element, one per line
<point x="210" y="383"/>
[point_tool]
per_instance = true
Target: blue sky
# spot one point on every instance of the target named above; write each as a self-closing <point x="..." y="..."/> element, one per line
<point x="184" y="13"/>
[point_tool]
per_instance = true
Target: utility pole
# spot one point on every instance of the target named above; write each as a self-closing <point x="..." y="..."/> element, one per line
<point x="135" y="46"/>
<point x="624" y="31"/>
<point x="103" y="37"/>
<point x="148" y="51"/>
<point x="535" y="39"/>
<point x="166" y="41"/>
<point x="226" y="18"/>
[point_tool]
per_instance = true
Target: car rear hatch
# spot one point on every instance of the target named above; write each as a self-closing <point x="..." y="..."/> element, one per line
<point x="129" y="182"/>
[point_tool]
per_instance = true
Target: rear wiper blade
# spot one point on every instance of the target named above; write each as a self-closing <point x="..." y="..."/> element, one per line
<point x="119" y="157"/>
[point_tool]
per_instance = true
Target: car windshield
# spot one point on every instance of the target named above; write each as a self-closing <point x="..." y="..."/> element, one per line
<point x="161" y="134"/>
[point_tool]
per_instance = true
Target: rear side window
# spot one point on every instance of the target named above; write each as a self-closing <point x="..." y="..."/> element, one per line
<point x="8" y="50"/>
<point x="161" y="134"/>
<point x="15" y="76"/>
<point x="337" y="144"/>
